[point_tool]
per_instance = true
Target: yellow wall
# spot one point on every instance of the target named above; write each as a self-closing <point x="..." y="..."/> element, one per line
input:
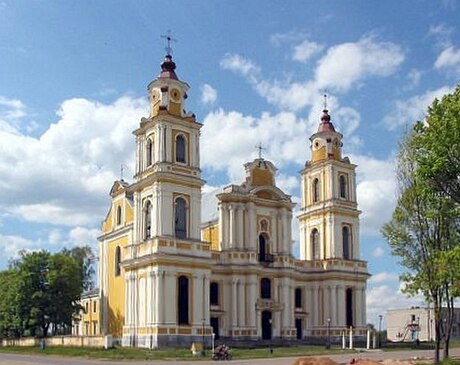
<point x="116" y="289"/>
<point x="91" y="316"/>
<point x="211" y="234"/>
<point x="261" y="177"/>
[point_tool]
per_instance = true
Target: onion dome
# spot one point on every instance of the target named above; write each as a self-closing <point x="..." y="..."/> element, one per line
<point x="326" y="125"/>
<point x="167" y="68"/>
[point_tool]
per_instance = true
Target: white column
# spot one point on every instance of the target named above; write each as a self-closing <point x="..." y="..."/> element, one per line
<point x="285" y="294"/>
<point x="221" y="225"/>
<point x="251" y="302"/>
<point x="170" y="296"/>
<point x="234" y="304"/>
<point x="241" y="304"/>
<point x="274" y="243"/>
<point x="160" y="298"/>
<point x="363" y="307"/>
<point x="252" y="227"/>
<point x="232" y="224"/>
<point x="285" y="231"/>
<point x="315" y="298"/>
<point x="206" y="308"/>
<point x="357" y="306"/>
<point x="333" y="305"/>
<point x="127" y="299"/>
<point x="198" y="303"/>
<point x="169" y="143"/>
<point x="240" y="226"/>
<point x="279" y="238"/>
<point x="327" y="301"/>
<point x="154" y="308"/>
<point x="148" y="310"/>
<point x="163" y="142"/>
<point x="341" y="305"/>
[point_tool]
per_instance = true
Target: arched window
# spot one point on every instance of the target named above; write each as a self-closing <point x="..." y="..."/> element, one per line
<point x="214" y="294"/>
<point x="118" y="215"/>
<point x="180" y="218"/>
<point x="150" y="152"/>
<point x="298" y="297"/>
<point x="148" y="220"/>
<point x="343" y="186"/>
<point x="346" y="247"/>
<point x="315" y="244"/>
<point x="315" y="190"/>
<point x="262" y="248"/>
<point x="182" y="300"/>
<point x="117" y="261"/>
<point x="180" y="149"/>
<point x="265" y="288"/>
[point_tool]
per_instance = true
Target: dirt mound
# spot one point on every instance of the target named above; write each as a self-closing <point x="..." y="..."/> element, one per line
<point x="314" y="361"/>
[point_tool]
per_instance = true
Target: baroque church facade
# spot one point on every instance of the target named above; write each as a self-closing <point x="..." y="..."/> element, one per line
<point x="168" y="279"/>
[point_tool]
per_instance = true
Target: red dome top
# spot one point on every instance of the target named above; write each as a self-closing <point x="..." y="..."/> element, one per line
<point x="167" y="68"/>
<point x="326" y="125"/>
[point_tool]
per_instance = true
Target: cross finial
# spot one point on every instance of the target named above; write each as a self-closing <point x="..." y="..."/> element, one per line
<point x="121" y="172"/>
<point x="325" y="102"/>
<point x="169" y="39"/>
<point x="260" y="148"/>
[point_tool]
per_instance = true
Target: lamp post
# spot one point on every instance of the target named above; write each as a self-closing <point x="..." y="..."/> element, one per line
<point x="328" y="345"/>
<point x="380" y="330"/>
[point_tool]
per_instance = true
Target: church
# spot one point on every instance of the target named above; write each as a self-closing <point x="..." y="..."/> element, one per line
<point x="168" y="277"/>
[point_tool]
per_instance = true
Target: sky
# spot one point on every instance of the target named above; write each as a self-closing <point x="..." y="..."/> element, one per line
<point x="73" y="77"/>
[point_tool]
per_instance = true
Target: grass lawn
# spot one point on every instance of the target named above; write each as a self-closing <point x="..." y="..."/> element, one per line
<point x="122" y="353"/>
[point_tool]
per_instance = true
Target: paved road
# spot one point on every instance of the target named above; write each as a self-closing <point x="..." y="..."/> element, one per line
<point x="13" y="359"/>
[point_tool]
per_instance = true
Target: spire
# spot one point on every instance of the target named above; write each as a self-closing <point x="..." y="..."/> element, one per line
<point x="168" y="66"/>
<point x="326" y="125"/>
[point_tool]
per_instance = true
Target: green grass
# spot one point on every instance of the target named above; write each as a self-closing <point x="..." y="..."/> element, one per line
<point x="122" y="353"/>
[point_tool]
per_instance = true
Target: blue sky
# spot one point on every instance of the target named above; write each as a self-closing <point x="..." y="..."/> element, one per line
<point x="73" y="79"/>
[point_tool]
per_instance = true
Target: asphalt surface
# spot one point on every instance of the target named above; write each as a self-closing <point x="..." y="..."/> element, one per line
<point x="15" y="359"/>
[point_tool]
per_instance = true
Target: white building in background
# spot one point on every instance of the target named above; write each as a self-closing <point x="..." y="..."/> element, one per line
<point x="407" y="325"/>
<point x="169" y="279"/>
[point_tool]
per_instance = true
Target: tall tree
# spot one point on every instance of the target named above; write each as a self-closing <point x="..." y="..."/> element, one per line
<point x="85" y="259"/>
<point x="10" y="324"/>
<point x="419" y="231"/>
<point x="439" y="139"/>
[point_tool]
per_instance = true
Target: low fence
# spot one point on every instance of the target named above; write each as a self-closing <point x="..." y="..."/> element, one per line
<point x="74" y="341"/>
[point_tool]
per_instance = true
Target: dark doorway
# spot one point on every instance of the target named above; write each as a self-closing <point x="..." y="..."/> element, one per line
<point x="266" y="325"/>
<point x="215" y="326"/>
<point x="182" y="300"/>
<point x="265" y="288"/>
<point x="349" y="308"/>
<point x="298" y="326"/>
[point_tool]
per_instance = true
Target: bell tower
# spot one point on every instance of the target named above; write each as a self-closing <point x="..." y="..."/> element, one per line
<point x="167" y="162"/>
<point x="329" y="218"/>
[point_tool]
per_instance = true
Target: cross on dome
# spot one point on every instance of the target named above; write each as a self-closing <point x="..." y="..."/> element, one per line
<point x="169" y="39"/>
<point x="260" y="148"/>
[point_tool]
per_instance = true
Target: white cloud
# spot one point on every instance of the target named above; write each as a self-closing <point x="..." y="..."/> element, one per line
<point x="449" y="59"/>
<point x="414" y="76"/>
<point x="278" y="39"/>
<point x="376" y="191"/>
<point x="359" y="60"/>
<point x="383" y="277"/>
<point x="239" y="64"/>
<point x="406" y="112"/>
<point x="282" y="133"/>
<point x="306" y="50"/>
<point x="442" y="34"/>
<point x="208" y="94"/>
<point x="346" y="63"/>
<point x="10" y="245"/>
<point x="64" y="175"/>
<point x="378" y="252"/>
<point x="381" y="298"/>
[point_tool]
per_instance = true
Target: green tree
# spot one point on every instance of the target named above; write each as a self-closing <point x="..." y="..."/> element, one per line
<point x="10" y="324"/>
<point x="420" y="231"/>
<point x="85" y="258"/>
<point x="439" y="139"/>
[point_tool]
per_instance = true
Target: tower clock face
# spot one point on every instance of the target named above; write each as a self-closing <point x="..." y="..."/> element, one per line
<point x="175" y="95"/>
<point x="316" y="144"/>
<point x="336" y="143"/>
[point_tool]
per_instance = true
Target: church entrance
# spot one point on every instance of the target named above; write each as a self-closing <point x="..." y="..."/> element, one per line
<point x="298" y="326"/>
<point x="215" y="327"/>
<point x="349" y="307"/>
<point x="266" y="325"/>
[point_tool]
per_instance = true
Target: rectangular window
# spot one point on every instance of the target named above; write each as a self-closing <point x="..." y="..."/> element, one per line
<point x="94" y="307"/>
